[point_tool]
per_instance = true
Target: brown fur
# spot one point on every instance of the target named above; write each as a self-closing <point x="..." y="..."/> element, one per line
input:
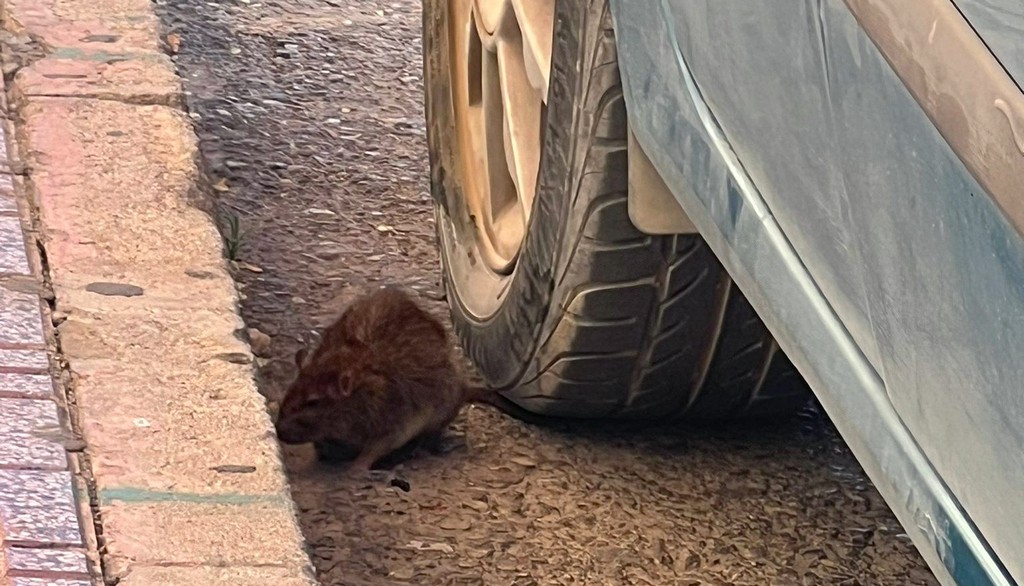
<point x="382" y="376"/>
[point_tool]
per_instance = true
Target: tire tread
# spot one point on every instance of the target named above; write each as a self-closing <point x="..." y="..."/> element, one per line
<point x="604" y="320"/>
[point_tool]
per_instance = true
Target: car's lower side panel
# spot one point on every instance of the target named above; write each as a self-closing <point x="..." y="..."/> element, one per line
<point x="873" y="335"/>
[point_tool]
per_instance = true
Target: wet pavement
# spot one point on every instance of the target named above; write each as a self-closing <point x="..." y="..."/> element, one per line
<point x="309" y="115"/>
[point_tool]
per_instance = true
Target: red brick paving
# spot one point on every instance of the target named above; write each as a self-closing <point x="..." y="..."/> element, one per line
<point x="41" y="539"/>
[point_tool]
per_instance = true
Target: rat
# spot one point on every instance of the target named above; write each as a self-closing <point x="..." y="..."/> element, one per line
<point x="383" y="376"/>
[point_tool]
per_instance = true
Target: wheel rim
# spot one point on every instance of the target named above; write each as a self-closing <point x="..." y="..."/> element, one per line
<point x="500" y="64"/>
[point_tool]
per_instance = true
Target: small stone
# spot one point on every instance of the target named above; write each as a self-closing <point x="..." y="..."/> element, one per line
<point x="234" y="469"/>
<point x="430" y="546"/>
<point x="401" y="484"/>
<point x="454" y="523"/>
<point x="174" y="42"/>
<point x="523" y="461"/>
<point x="114" y="289"/>
<point x="401" y="573"/>
<point x="330" y="253"/>
<point x="321" y="212"/>
<point x="234" y="357"/>
<point x="200" y="274"/>
<point x="74" y="445"/>
<point x="100" y="38"/>
<point x="260" y="342"/>
<point x="58" y="317"/>
<point x="248" y="267"/>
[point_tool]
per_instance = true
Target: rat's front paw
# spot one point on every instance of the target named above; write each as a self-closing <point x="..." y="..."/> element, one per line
<point x="333" y="452"/>
<point x="368" y="478"/>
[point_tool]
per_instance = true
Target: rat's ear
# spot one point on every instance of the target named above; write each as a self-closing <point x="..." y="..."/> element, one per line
<point x="300" y="357"/>
<point x="344" y="383"/>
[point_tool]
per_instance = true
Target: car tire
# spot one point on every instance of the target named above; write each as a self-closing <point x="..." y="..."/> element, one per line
<point x="597" y="319"/>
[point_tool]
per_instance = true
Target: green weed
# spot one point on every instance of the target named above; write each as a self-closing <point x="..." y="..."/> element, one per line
<point x="234" y="236"/>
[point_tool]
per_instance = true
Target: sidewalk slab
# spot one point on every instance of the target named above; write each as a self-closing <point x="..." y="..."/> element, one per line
<point x="23" y="360"/>
<point x="41" y="529"/>
<point x="24" y="386"/>
<point x="30" y="429"/>
<point x="158" y="576"/>
<point x="184" y="468"/>
<point x="162" y="239"/>
<point x="57" y="561"/>
<point x="21" y="324"/>
<point x="194" y="532"/>
<point x="167" y="407"/>
<point x="205" y="392"/>
<point x="105" y="50"/>
<point x="38" y="508"/>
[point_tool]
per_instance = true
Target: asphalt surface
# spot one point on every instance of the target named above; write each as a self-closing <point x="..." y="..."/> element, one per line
<point x="309" y="115"/>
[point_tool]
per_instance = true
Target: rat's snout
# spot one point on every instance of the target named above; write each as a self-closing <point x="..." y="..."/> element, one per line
<point x="291" y="433"/>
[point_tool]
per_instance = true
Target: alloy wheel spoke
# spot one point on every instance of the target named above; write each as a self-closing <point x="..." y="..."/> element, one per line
<point x="521" y="107"/>
<point x="536" y="19"/>
<point x="500" y="78"/>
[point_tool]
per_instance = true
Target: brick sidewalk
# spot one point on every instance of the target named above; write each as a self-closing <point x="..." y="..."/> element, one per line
<point x="41" y="511"/>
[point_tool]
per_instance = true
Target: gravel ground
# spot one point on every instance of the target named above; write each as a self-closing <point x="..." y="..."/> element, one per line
<point x="310" y="120"/>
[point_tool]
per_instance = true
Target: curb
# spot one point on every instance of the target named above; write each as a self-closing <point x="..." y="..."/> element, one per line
<point x="181" y="468"/>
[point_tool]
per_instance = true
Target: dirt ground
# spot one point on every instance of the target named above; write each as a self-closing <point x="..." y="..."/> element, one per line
<point x="309" y="114"/>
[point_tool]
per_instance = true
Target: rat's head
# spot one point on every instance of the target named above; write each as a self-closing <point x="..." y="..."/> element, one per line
<point x="320" y="399"/>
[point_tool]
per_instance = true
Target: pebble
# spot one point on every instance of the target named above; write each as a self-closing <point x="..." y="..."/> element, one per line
<point x="234" y="357"/>
<point x="114" y="289"/>
<point x="74" y="445"/>
<point x="523" y="461"/>
<point x="260" y="342"/>
<point x="455" y="523"/>
<point x="234" y="469"/>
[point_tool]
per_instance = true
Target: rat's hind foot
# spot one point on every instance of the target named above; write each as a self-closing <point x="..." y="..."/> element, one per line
<point x="333" y="452"/>
<point x="369" y="478"/>
<point x="357" y="470"/>
<point x="378" y="476"/>
<point x="440" y="443"/>
<point x="399" y="456"/>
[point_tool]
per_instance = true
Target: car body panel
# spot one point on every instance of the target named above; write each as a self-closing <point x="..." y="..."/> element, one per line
<point x="887" y="272"/>
<point x="999" y="23"/>
<point x="965" y="91"/>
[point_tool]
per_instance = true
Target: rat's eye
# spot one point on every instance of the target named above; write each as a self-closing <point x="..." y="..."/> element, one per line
<point x="314" y="402"/>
